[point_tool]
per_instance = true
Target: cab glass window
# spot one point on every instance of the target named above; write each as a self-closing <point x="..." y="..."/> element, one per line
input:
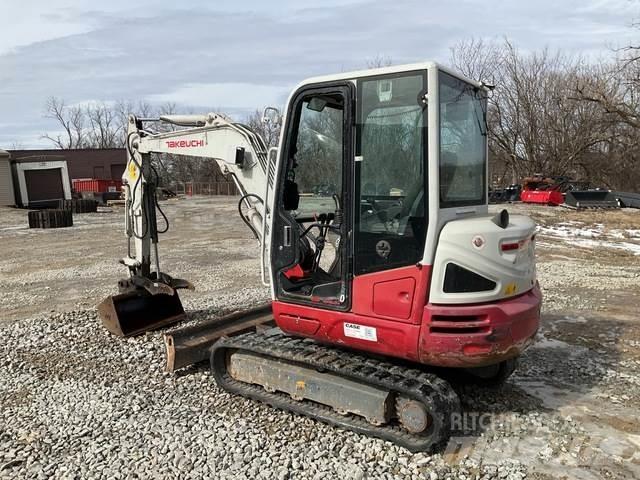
<point x="390" y="172"/>
<point x="463" y="137"/>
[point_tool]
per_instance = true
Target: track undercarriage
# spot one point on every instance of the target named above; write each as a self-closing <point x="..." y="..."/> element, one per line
<point x="405" y="406"/>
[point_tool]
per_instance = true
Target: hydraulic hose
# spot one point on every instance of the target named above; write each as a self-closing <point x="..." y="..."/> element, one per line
<point x="242" y="215"/>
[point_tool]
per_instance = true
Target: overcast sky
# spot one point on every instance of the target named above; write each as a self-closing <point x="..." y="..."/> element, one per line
<point x="235" y="56"/>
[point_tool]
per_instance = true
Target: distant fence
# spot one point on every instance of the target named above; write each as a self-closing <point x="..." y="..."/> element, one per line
<point x="199" y="188"/>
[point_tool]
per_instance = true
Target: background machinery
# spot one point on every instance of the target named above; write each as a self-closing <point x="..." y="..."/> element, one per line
<point x="562" y="190"/>
<point x="375" y="240"/>
<point x="543" y="190"/>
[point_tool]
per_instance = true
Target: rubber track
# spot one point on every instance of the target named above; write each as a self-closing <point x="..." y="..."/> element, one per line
<point x="51" y="218"/>
<point x="79" y="205"/>
<point x="432" y="391"/>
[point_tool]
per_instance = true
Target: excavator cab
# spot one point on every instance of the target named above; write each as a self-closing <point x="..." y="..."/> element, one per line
<point x="380" y="236"/>
<point x="359" y="176"/>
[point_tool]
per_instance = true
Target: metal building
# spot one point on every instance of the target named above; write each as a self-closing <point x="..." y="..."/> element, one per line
<point x="42" y="177"/>
<point x="6" y="182"/>
<point x="43" y="183"/>
<point x="101" y="164"/>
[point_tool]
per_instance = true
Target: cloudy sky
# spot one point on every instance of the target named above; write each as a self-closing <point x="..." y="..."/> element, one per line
<point x="234" y="56"/>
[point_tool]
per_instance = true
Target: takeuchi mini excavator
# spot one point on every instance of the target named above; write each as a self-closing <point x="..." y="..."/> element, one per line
<point x="376" y="241"/>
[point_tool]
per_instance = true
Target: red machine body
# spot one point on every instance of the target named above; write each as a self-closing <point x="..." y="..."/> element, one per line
<point x="543" y="190"/>
<point x="394" y="304"/>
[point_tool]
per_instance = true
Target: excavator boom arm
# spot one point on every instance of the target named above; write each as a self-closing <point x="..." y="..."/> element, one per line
<point x="237" y="150"/>
<point x="239" y="153"/>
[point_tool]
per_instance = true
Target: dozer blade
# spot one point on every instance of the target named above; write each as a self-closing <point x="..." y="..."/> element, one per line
<point x="137" y="312"/>
<point x="591" y="199"/>
<point x="192" y="344"/>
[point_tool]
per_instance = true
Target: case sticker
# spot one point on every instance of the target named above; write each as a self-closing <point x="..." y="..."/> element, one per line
<point x="362" y="332"/>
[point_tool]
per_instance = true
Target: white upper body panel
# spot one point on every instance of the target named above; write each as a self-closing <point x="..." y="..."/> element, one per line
<point x="475" y="245"/>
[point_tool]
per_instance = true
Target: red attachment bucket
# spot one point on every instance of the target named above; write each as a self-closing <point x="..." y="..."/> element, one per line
<point x="543" y="197"/>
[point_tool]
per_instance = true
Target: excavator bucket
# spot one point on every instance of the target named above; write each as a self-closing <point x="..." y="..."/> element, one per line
<point x="130" y="314"/>
<point x="591" y="199"/>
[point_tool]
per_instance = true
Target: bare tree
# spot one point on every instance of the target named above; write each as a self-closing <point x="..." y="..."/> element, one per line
<point x="615" y="89"/>
<point x="72" y="121"/>
<point x="379" y="61"/>
<point x="535" y="124"/>
<point x="270" y="132"/>
<point x="124" y="108"/>
<point x="613" y="92"/>
<point x="478" y="59"/>
<point x="104" y="128"/>
<point x="98" y="124"/>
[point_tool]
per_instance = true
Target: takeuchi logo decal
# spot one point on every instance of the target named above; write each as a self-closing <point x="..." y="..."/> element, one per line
<point x="185" y="143"/>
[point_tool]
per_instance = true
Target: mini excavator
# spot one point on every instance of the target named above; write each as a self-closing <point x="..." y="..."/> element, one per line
<point x="375" y="239"/>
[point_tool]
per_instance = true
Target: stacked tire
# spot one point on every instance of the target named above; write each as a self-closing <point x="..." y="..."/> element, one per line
<point x="51" y="218"/>
<point x="79" y="205"/>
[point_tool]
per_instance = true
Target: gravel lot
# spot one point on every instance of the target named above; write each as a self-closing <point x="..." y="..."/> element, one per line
<point x="76" y="402"/>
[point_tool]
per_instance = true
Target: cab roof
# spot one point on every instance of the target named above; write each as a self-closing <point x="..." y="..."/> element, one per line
<point x="409" y="67"/>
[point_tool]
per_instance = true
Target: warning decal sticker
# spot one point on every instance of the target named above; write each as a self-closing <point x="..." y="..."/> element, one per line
<point x="362" y="332"/>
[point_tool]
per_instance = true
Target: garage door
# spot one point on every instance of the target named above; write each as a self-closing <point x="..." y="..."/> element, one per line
<point x="43" y="185"/>
<point x="117" y="170"/>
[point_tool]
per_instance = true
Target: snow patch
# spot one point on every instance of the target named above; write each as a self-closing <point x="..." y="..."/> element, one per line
<point x="574" y="233"/>
<point x="588" y="243"/>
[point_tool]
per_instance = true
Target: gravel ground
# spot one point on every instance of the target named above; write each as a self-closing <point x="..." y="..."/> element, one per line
<point x="76" y="402"/>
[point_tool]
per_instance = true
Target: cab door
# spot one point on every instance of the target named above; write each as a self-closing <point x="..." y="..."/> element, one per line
<point x="312" y="214"/>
